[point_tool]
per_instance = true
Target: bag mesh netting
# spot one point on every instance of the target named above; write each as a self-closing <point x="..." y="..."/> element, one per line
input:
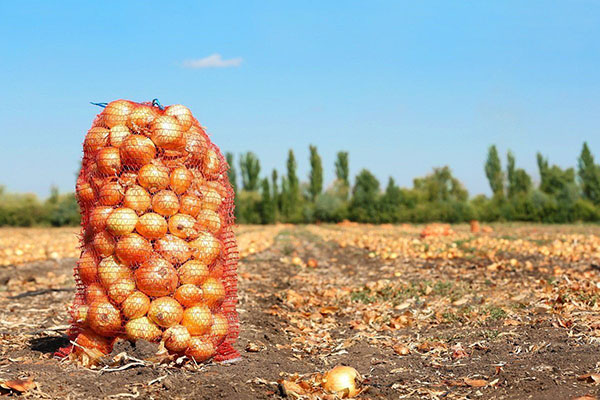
<point x="159" y="257"/>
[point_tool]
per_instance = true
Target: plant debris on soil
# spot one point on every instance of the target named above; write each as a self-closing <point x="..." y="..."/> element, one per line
<point x="508" y="313"/>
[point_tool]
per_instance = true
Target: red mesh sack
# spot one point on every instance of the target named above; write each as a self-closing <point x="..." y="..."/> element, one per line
<point x="158" y="254"/>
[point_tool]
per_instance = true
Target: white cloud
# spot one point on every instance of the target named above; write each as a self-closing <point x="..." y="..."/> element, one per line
<point x="213" y="61"/>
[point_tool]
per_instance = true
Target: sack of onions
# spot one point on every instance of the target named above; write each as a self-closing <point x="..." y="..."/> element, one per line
<point x="158" y="256"/>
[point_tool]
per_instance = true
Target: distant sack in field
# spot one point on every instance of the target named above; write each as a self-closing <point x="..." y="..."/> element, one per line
<point x="159" y="257"/>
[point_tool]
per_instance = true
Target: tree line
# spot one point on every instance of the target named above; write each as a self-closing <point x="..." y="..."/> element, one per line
<point x="561" y="196"/>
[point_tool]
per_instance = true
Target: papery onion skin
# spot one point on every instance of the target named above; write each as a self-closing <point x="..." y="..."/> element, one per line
<point x="209" y="220"/>
<point x="166" y="132"/>
<point x="182" y="114"/>
<point x="104" y="318"/>
<point x="117" y="112"/>
<point x="206" y="247"/>
<point x="89" y="339"/>
<point x="165" y="312"/>
<point x="110" y="271"/>
<point x="190" y="205"/>
<point x="156" y="277"/>
<point x="117" y="135"/>
<point x="188" y="295"/>
<point x="121" y="289"/>
<point x="110" y="193"/>
<point x="137" y="198"/>
<point x="219" y="328"/>
<point x="95" y="292"/>
<point x="108" y="161"/>
<point x="213" y="291"/>
<point x="104" y="244"/>
<point x="137" y="150"/>
<point x="122" y="221"/>
<point x="85" y="193"/>
<point x="166" y="203"/>
<point x="193" y="272"/>
<point x="136" y="305"/>
<point x="98" y="217"/>
<point x="342" y="379"/>
<point x="200" y="348"/>
<point x="87" y="267"/>
<point x="180" y="180"/>
<point x="96" y="139"/>
<point x="142" y="329"/>
<point x="183" y="226"/>
<point x="176" y="338"/>
<point x="153" y="177"/>
<point x="133" y="249"/>
<point x="141" y="117"/>
<point x="152" y="226"/>
<point x="197" y="320"/>
<point x="173" y="249"/>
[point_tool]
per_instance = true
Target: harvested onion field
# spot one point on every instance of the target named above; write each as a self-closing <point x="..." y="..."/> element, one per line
<point x="508" y="314"/>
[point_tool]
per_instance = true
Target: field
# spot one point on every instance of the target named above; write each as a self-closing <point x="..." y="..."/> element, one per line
<point x="508" y="314"/>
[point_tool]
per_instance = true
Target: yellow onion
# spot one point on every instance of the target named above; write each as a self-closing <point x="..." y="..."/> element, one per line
<point x="197" y="320"/>
<point x="165" y="312"/>
<point x="218" y="187"/>
<point x="152" y="226"/>
<point x="95" y="292"/>
<point x="209" y="220"/>
<point x="180" y="180"/>
<point x="121" y="289"/>
<point x="188" y="295"/>
<point x="137" y="150"/>
<point x="110" y="193"/>
<point x="190" y="205"/>
<point x="219" y="328"/>
<point x="128" y="179"/>
<point x="217" y="270"/>
<point x="200" y="348"/>
<point x="142" y="329"/>
<point x="141" y="117"/>
<point x="195" y="145"/>
<point x="176" y="338"/>
<point x="135" y="305"/>
<point x="117" y="112"/>
<point x="173" y="249"/>
<point x="95" y="139"/>
<point x="206" y="248"/>
<point x="87" y="267"/>
<point x="121" y="221"/>
<point x="110" y="271"/>
<point x="213" y="292"/>
<point x="183" y="226"/>
<point x="80" y="315"/>
<point x="182" y="114"/>
<point x="108" y="161"/>
<point x="92" y="341"/>
<point x="193" y="272"/>
<point x="98" y="217"/>
<point x="137" y="198"/>
<point x="104" y="244"/>
<point x="104" y="318"/>
<point x="133" y="249"/>
<point x="118" y="133"/>
<point x="211" y="199"/>
<point x="85" y="193"/>
<point x="342" y="380"/>
<point x="153" y="177"/>
<point x="211" y="164"/>
<point x="165" y="203"/>
<point x="166" y="132"/>
<point x="156" y="277"/>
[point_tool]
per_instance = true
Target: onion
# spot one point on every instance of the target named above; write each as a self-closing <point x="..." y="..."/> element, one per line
<point x="87" y="267"/>
<point x="197" y="320"/>
<point x="137" y="199"/>
<point x="128" y="179"/>
<point x="104" y="318"/>
<point x="190" y="205"/>
<point x="108" y="161"/>
<point x="165" y="203"/>
<point x="121" y="289"/>
<point x="195" y="145"/>
<point x="211" y="164"/>
<point x="211" y="199"/>
<point x="206" y="248"/>
<point x="193" y="272"/>
<point x="188" y="295"/>
<point x="219" y="328"/>
<point x="183" y="115"/>
<point x="95" y="292"/>
<point x="200" y="348"/>
<point x="156" y="277"/>
<point x="141" y="117"/>
<point x="342" y="379"/>
<point x="95" y="139"/>
<point x="142" y="329"/>
<point x="181" y="179"/>
<point x="176" y="338"/>
<point x="85" y="193"/>
<point x="98" y="217"/>
<point x="110" y="193"/>
<point x="121" y="221"/>
<point x="209" y="220"/>
<point x="218" y="187"/>
<point x="117" y="112"/>
<point x="80" y="315"/>
<point x="166" y="132"/>
<point x="173" y="249"/>
<point x="118" y="133"/>
<point x="104" y="244"/>
<point x="92" y="341"/>
<point x="183" y="226"/>
<point x="133" y="249"/>
<point x="217" y="270"/>
<point x="165" y="312"/>
<point x="152" y="226"/>
<point x="110" y="271"/>
<point x="153" y="177"/>
<point x="135" y="305"/>
<point x="213" y="292"/>
<point x="137" y="150"/>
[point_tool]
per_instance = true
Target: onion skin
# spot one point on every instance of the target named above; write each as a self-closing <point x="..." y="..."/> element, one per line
<point x="142" y="329"/>
<point x="92" y="341"/>
<point x="137" y="198"/>
<point x="166" y="132"/>
<point x="193" y="272"/>
<point x="188" y="295"/>
<point x="121" y="221"/>
<point x="156" y="277"/>
<point x="152" y="226"/>
<point x="110" y="193"/>
<point x="108" y="161"/>
<point x="165" y="312"/>
<point x="85" y="193"/>
<point x="183" y="226"/>
<point x="153" y="177"/>
<point x="180" y="180"/>
<point x="128" y="179"/>
<point x="197" y="320"/>
<point x="200" y="349"/>
<point x="206" y="248"/>
<point x="176" y="338"/>
<point x="166" y="203"/>
<point x="211" y="164"/>
<point x="96" y="139"/>
<point x="104" y="244"/>
<point x="117" y="112"/>
<point x="136" y="305"/>
<point x="219" y="328"/>
<point x="214" y="292"/>
<point x="137" y="150"/>
<point x="141" y="117"/>
<point x="209" y="220"/>
<point x="110" y="271"/>
<point x="182" y="114"/>
<point x="342" y="379"/>
<point x="104" y="318"/>
<point x="133" y="249"/>
<point x="190" y="205"/>
<point x="98" y="217"/>
<point x="95" y="292"/>
<point x="87" y="267"/>
<point x="80" y="315"/>
<point x="121" y="289"/>
<point x="173" y="249"/>
<point x="211" y="199"/>
<point x="195" y="145"/>
<point x="117" y="135"/>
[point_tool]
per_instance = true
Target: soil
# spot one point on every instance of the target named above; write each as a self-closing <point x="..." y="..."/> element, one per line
<point x="532" y="361"/>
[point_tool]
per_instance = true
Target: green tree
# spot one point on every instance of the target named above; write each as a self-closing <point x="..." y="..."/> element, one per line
<point x="365" y="195"/>
<point x="519" y="182"/>
<point x="250" y="167"/>
<point x="316" y="173"/>
<point x="276" y="195"/>
<point x="440" y="186"/>
<point x="267" y="210"/>
<point x="293" y="208"/>
<point x="560" y="186"/>
<point x="391" y="202"/>
<point x="493" y="172"/>
<point x="342" y="172"/>
<point x="231" y="172"/>
<point x="589" y="175"/>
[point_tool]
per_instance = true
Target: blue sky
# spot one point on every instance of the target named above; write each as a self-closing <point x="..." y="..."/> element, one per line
<point x="402" y="86"/>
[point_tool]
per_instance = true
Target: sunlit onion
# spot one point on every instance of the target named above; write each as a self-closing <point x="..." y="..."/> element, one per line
<point x="193" y="272"/>
<point x="182" y="114"/>
<point x="118" y="133"/>
<point x="165" y="203"/>
<point x="183" y="226"/>
<point x="133" y="249"/>
<point x="85" y="193"/>
<point x="87" y="267"/>
<point x="197" y="320"/>
<point x="156" y="277"/>
<point x="79" y="315"/>
<point x="195" y="145"/>
<point x="190" y="205"/>
<point x="135" y="305"/>
<point x="137" y="198"/>
<point x="213" y="292"/>
<point x="176" y="338"/>
<point x="342" y="380"/>
<point x="180" y="180"/>
<point x="98" y="217"/>
<point x="142" y="329"/>
<point x="211" y="166"/>
<point x="200" y="348"/>
<point x="108" y="161"/>
<point x="211" y="199"/>
<point x="95" y="292"/>
<point x="121" y="221"/>
<point x="188" y="295"/>
<point x="137" y="150"/>
<point x="206" y="248"/>
<point x="153" y="177"/>
<point x="152" y="226"/>
<point x="88" y="339"/>
<point x="166" y="132"/>
<point x="141" y="117"/>
<point x="121" y="289"/>
<point x="110" y="271"/>
<point x="173" y="249"/>
<point x="104" y="318"/>
<point x="219" y="328"/>
<point x="128" y="179"/>
<point x="96" y="139"/>
<point x="217" y="270"/>
<point x="104" y="244"/>
<point x="208" y="220"/>
<point x="117" y="112"/>
<point x="110" y="193"/>
<point x="165" y="312"/>
<point x="218" y="187"/>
